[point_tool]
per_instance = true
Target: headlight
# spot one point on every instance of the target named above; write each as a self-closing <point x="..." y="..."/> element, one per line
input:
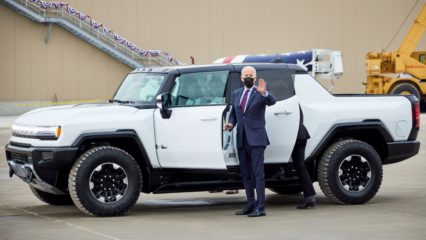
<point x="43" y="133"/>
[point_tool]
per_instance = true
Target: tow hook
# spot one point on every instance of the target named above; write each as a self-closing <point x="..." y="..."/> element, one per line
<point x="30" y="176"/>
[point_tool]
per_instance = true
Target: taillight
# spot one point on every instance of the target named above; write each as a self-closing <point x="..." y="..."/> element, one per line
<point x="416" y="115"/>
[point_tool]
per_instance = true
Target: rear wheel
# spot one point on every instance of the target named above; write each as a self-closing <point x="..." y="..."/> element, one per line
<point x="350" y="172"/>
<point x="50" y="198"/>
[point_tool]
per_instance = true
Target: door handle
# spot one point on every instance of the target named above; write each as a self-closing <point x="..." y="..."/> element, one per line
<point x="286" y="112"/>
<point x="209" y="119"/>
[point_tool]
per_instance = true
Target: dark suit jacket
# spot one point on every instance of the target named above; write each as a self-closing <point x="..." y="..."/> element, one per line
<point x="303" y="133"/>
<point x="252" y="121"/>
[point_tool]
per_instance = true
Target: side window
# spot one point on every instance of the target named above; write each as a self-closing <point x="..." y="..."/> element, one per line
<point x="279" y="82"/>
<point x="199" y="89"/>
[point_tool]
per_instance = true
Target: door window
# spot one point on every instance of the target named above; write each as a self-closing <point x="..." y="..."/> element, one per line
<point x="199" y="89"/>
<point x="278" y="81"/>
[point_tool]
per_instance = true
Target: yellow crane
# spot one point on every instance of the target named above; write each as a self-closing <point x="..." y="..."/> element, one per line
<point x="402" y="71"/>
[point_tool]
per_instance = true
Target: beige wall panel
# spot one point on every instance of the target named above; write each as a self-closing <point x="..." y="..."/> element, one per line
<point x="337" y="26"/>
<point x="230" y="33"/>
<point x="259" y="31"/>
<point x="374" y="26"/>
<point x="201" y="34"/>
<point x="310" y="23"/>
<point x="8" y="54"/>
<point x="216" y="13"/>
<point x="352" y="48"/>
<point x="85" y="60"/>
<point x="273" y="22"/>
<point x="297" y="25"/>
<point x="69" y="66"/>
<point x="324" y="27"/>
<point x="159" y="22"/>
<point x="84" y="71"/>
<point x="38" y="58"/>
<point x="187" y="37"/>
<point x="243" y="27"/>
<point x="23" y="63"/>
<point x="144" y="29"/>
<point x="54" y="65"/>
<point x="173" y="15"/>
<point x="131" y="19"/>
<point x="100" y="75"/>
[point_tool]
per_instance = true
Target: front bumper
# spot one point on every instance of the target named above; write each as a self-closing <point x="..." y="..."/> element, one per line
<point x="44" y="168"/>
<point x="398" y="151"/>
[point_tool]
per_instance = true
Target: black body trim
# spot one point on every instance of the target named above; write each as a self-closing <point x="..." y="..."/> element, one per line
<point x="48" y="163"/>
<point x="399" y="151"/>
<point x="56" y="158"/>
<point x="181" y="171"/>
<point x="220" y="185"/>
<point x="99" y="135"/>
<point x="336" y="129"/>
<point x="17" y="144"/>
<point x="123" y="133"/>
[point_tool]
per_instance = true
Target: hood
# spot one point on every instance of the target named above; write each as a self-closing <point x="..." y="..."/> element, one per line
<point x="60" y="115"/>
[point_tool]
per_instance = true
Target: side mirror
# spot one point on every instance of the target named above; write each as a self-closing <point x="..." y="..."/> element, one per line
<point x="164" y="101"/>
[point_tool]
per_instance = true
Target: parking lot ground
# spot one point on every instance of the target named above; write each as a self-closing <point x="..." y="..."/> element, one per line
<point x="397" y="212"/>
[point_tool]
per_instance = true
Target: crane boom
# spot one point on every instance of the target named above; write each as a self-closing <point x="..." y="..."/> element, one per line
<point x="414" y="34"/>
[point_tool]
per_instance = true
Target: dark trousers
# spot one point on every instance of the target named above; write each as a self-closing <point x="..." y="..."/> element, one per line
<point x="298" y="156"/>
<point x="252" y="173"/>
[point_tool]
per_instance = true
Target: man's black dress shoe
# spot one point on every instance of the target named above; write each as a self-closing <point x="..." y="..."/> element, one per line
<point x="257" y="213"/>
<point x="245" y="211"/>
<point x="309" y="203"/>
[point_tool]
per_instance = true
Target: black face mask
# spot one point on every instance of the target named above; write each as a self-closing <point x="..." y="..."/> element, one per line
<point x="248" y="81"/>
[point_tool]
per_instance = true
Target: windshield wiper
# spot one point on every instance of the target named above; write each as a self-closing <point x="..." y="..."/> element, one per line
<point x="121" y="101"/>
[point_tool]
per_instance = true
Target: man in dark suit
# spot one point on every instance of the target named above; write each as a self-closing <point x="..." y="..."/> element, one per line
<point x="298" y="156"/>
<point x="248" y="114"/>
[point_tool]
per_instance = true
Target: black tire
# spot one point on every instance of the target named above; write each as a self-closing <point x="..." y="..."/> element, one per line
<point x="350" y="172"/>
<point x="105" y="166"/>
<point x="404" y="88"/>
<point x="290" y="190"/>
<point x="50" y="198"/>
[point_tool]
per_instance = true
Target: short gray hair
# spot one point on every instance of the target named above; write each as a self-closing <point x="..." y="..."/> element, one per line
<point x="248" y="67"/>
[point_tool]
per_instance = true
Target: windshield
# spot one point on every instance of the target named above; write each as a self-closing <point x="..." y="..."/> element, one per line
<point x="140" y="88"/>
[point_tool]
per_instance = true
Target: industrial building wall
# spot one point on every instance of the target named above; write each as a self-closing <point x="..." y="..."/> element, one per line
<point x="67" y="68"/>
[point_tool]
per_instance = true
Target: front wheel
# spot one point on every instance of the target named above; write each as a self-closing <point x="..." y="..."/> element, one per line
<point x="105" y="181"/>
<point x="350" y="172"/>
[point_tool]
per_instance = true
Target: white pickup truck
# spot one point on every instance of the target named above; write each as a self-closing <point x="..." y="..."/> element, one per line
<point x="162" y="132"/>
